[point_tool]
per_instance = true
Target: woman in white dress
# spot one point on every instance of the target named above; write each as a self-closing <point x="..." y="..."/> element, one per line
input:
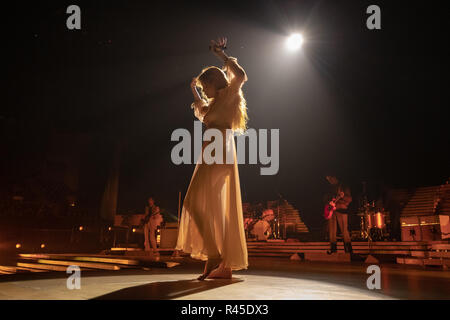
<point x="212" y="227"/>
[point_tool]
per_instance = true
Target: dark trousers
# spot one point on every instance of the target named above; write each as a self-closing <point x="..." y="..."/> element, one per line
<point x="341" y="219"/>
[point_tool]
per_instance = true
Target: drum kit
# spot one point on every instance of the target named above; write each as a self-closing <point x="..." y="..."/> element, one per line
<point x="372" y="222"/>
<point x="262" y="226"/>
<point x="372" y="218"/>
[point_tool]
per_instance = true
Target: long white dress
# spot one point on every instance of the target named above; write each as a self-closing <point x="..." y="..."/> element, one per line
<point x="211" y="219"/>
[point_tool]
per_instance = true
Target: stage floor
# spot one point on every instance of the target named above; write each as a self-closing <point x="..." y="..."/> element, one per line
<point x="266" y="278"/>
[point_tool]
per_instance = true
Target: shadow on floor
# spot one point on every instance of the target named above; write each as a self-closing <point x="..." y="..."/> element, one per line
<point x="166" y="290"/>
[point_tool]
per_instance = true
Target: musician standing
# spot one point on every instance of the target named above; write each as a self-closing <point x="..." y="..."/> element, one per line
<point x="152" y="220"/>
<point x="340" y="215"/>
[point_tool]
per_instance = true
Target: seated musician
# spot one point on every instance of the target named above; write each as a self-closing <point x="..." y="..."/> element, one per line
<point x="342" y="195"/>
<point x="152" y="220"/>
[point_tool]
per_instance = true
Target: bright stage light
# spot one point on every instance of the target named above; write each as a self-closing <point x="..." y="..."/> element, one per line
<point x="294" y="42"/>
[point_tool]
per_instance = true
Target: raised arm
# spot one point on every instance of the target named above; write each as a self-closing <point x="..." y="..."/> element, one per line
<point x="235" y="72"/>
<point x="199" y="105"/>
<point x="194" y="90"/>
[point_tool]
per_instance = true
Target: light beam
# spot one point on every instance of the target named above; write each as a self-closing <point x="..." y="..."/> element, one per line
<point x="294" y="42"/>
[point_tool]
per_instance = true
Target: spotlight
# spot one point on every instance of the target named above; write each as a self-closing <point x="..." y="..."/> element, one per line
<point x="81" y="228"/>
<point x="109" y="228"/>
<point x="42" y="245"/>
<point x="18" y="245"/>
<point x="294" y="42"/>
<point x="134" y="230"/>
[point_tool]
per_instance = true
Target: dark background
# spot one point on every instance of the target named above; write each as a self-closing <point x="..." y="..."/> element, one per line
<point x="366" y="105"/>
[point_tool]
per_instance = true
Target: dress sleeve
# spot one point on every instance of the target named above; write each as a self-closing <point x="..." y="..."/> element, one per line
<point x="200" y="109"/>
<point x="235" y="73"/>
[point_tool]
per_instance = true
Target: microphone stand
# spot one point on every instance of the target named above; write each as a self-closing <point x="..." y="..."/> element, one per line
<point x="278" y="218"/>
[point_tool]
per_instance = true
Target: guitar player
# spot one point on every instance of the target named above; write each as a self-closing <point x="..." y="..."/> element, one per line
<point x="337" y="200"/>
<point x="151" y="221"/>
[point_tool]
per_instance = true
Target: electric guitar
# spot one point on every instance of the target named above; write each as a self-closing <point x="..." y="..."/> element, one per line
<point x="152" y="212"/>
<point x="330" y="207"/>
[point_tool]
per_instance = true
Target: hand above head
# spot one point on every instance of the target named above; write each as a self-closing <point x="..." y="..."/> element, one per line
<point x="218" y="46"/>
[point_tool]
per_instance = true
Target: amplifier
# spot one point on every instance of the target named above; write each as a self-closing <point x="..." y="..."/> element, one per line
<point x="420" y="228"/>
<point x="445" y="226"/>
<point x="169" y="238"/>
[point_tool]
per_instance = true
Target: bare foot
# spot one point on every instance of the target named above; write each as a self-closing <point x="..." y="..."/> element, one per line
<point x="210" y="265"/>
<point x="220" y="273"/>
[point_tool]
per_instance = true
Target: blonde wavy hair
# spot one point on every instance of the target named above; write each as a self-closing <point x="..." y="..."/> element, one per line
<point x="221" y="78"/>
